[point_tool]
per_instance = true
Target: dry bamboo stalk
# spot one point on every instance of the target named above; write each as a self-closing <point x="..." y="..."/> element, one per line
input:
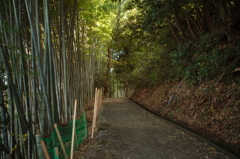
<point x="45" y="149"/>
<point x="95" y="112"/>
<point x="61" y="143"/>
<point x="75" y="137"/>
<point x="73" y="131"/>
<point x="56" y="151"/>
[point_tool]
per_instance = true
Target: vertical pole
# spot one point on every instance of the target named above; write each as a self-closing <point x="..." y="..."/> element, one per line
<point x="39" y="147"/>
<point x="45" y="149"/>
<point x="95" y="112"/>
<point x="73" y="131"/>
<point x="56" y="154"/>
<point x="76" y="137"/>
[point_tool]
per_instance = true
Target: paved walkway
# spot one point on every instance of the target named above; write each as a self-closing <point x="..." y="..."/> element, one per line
<point x="126" y="131"/>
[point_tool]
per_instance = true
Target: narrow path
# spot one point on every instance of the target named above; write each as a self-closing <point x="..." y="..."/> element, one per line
<point x="126" y="131"/>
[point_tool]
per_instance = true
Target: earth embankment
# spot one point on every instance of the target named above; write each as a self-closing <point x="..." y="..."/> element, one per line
<point x="210" y="110"/>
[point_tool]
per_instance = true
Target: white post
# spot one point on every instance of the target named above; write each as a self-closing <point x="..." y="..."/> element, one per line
<point x="95" y="112"/>
<point x="73" y="130"/>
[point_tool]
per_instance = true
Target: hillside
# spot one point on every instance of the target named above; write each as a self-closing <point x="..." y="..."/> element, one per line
<point x="210" y="110"/>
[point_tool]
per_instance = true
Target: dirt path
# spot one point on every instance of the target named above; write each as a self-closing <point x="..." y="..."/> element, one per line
<point x="126" y="131"/>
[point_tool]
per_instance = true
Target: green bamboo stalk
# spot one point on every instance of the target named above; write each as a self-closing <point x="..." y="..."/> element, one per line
<point x="42" y="76"/>
<point x="12" y="86"/>
<point x="25" y="76"/>
<point x="62" y="35"/>
<point x="3" y="118"/>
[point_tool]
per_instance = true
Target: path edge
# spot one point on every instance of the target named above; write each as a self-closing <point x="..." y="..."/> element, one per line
<point x="210" y="143"/>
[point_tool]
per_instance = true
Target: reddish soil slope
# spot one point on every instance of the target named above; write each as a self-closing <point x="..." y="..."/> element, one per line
<point x="211" y="110"/>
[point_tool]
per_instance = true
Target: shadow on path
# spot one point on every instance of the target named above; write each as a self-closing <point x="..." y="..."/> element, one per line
<point x="126" y="131"/>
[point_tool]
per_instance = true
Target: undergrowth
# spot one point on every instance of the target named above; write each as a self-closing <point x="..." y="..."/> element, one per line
<point x="209" y="59"/>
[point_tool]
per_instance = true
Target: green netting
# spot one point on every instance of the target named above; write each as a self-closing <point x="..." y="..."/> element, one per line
<point x="66" y="135"/>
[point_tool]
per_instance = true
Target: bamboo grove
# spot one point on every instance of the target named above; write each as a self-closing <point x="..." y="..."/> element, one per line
<point x="47" y="60"/>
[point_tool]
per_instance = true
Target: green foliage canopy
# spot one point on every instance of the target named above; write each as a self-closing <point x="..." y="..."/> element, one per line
<point x="161" y="40"/>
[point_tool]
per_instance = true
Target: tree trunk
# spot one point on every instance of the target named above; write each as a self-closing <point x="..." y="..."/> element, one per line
<point x="180" y="28"/>
<point x="190" y="28"/>
<point x="172" y="30"/>
<point x="107" y="84"/>
<point x="207" y="15"/>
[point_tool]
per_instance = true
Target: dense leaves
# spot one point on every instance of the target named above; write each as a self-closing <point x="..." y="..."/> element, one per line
<point x="172" y="40"/>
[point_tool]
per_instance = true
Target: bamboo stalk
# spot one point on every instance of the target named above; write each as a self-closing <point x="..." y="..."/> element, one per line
<point x="43" y="54"/>
<point x="39" y="147"/>
<point x="73" y="130"/>
<point x="61" y="142"/>
<point x="56" y="153"/>
<point x="45" y="149"/>
<point x="95" y="112"/>
<point x="75" y="138"/>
